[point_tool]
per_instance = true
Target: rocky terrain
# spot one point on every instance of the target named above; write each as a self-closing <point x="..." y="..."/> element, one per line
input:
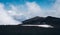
<point x="33" y="30"/>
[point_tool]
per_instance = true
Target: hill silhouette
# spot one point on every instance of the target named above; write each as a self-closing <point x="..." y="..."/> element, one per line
<point x="22" y="30"/>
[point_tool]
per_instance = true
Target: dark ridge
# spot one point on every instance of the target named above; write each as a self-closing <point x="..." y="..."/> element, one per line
<point x="33" y="20"/>
<point x="52" y="20"/>
<point x="43" y="20"/>
<point x="40" y="20"/>
<point x="22" y="30"/>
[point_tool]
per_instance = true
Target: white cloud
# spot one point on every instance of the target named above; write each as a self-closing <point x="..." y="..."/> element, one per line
<point x="5" y="19"/>
<point x="56" y="7"/>
<point x="54" y="10"/>
<point x="33" y="9"/>
<point x="26" y="11"/>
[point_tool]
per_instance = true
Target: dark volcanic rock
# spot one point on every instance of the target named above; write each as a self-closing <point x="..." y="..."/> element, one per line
<point x="44" y="20"/>
<point x="21" y="30"/>
<point x="35" y="20"/>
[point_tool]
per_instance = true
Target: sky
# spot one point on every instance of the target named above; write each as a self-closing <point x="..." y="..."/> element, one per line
<point x="12" y="12"/>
